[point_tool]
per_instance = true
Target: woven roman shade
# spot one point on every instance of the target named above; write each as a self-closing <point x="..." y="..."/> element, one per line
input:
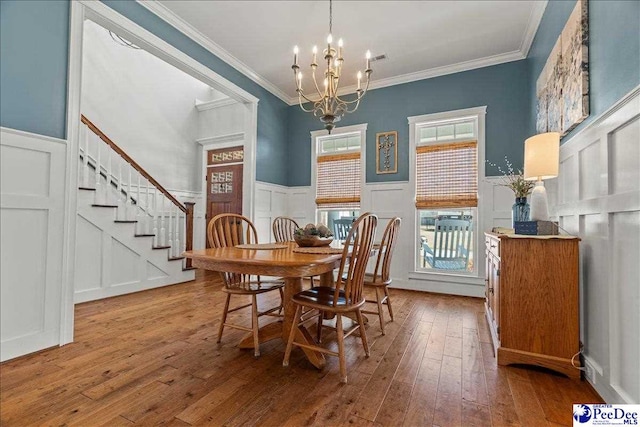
<point x="447" y="175"/>
<point x="338" y="181"/>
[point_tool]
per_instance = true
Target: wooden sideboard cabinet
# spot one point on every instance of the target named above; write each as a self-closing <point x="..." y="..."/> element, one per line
<point x="532" y="302"/>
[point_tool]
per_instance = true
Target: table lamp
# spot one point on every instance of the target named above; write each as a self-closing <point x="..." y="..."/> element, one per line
<point x="541" y="161"/>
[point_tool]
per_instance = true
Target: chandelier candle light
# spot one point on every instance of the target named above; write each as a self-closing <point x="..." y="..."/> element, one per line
<point x="330" y="107"/>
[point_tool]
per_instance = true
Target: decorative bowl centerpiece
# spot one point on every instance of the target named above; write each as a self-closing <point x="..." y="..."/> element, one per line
<point x="313" y="235"/>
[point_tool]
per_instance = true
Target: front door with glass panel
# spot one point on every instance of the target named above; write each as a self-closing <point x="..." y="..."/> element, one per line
<point x="224" y="182"/>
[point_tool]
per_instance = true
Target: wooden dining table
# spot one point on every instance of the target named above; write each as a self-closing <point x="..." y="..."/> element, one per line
<point x="291" y="266"/>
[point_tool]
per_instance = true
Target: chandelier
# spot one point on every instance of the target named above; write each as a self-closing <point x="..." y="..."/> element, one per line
<point x="330" y="107"/>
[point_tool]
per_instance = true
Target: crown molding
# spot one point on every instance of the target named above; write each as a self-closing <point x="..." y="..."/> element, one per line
<point x="532" y="26"/>
<point x="434" y="72"/>
<point x="185" y="28"/>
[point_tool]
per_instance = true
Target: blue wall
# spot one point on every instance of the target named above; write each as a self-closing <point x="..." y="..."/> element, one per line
<point x="504" y="89"/>
<point x="34" y="56"/>
<point x="614" y="51"/>
<point x="34" y="39"/>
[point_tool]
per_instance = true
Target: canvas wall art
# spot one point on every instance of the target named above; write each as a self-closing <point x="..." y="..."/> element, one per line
<point x="562" y="89"/>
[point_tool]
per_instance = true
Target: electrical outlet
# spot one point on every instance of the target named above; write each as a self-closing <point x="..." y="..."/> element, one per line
<point x="590" y="373"/>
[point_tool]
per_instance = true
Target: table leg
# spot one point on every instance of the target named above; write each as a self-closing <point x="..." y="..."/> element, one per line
<point x="326" y="279"/>
<point x="292" y="286"/>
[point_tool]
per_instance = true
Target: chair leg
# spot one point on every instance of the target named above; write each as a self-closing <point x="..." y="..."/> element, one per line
<point x="254" y="325"/>
<point x="363" y="333"/>
<point x="224" y="317"/>
<point x="380" y="314"/>
<point x="292" y="334"/>
<point x="281" y="301"/>
<point x="319" y="327"/>
<point x="386" y="292"/>
<point x="343" y="363"/>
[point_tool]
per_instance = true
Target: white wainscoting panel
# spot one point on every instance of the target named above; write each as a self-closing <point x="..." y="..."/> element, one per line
<point x="388" y="200"/>
<point x="270" y="202"/>
<point x="599" y="189"/>
<point x="32" y="193"/>
<point x="301" y="205"/>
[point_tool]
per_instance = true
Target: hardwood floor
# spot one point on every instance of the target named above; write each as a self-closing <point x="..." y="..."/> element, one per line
<point x="151" y="358"/>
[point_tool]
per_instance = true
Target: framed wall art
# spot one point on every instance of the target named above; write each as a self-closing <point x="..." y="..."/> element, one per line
<point x="562" y="89"/>
<point x="387" y="152"/>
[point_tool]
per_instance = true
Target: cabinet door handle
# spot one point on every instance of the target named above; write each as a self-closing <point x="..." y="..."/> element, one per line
<point x="493" y="246"/>
<point x="491" y="291"/>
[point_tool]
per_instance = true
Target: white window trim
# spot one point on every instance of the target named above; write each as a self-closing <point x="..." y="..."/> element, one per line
<point x="479" y="114"/>
<point x="317" y="135"/>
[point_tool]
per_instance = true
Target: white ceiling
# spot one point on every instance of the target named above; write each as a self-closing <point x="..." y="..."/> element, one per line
<point x="420" y="38"/>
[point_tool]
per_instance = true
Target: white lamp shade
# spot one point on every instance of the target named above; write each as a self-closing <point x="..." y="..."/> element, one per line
<point x="542" y="156"/>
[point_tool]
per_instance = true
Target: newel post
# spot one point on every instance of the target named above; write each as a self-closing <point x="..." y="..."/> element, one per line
<point x="189" y="233"/>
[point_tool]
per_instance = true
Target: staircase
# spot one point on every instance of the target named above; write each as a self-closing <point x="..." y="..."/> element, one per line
<point x="131" y="231"/>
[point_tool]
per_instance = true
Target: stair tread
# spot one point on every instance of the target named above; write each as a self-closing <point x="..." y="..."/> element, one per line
<point x="87" y="188"/>
<point x="143" y="235"/>
<point x="161" y="247"/>
<point x="125" y="221"/>
<point x="104" y="206"/>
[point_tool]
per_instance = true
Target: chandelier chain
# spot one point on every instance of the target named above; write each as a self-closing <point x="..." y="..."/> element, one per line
<point x="330" y="16"/>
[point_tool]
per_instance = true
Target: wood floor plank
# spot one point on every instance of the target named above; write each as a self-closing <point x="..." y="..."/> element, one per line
<point x="395" y="404"/>
<point x="151" y="358"/>
<point x="339" y="410"/>
<point x="475" y="415"/>
<point x="198" y="410"/>
<point x="501" y="404"/>
<point x="422" y="403"/>
<point x="527" y="404"/>
<point x="448" y="411"/>
<point x="183" y="390"/>
<point x="410" y="363"/>
<point x="435" y="346"/>
<point x="368" y="405"/>
<point x="474" y="386"/>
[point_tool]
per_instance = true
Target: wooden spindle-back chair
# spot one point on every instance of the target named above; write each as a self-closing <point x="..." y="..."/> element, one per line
<point x="227" y="230"/>
<point x="284" y="228"/>
<point x="380" y="279"/>
<point x="347" y="296"/>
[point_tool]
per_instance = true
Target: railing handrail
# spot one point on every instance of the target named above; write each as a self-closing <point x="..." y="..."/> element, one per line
<point x="132" y="162"/>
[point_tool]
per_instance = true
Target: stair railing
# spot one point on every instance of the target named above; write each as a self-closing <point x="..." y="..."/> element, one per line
<point x="120" y="181"/>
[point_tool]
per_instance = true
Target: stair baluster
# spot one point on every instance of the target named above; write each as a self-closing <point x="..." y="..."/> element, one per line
<point x="176" y="241"/>
<point x="170" y="232"/>
<point x="147" y="208"/>
<point x="154" y="221"/>
<point x="85" y="158"/>
<point x="120" y="214"/>
<point x="99" y="196"/>
<point x="161" y="213"/>
<point x="140" y="224"/>
<point x="107" y="188"/>
<point x="128" y="202"/>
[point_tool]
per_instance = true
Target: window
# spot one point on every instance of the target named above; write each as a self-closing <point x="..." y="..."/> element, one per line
<point x="338" y="173"/>
<point x="446" y="158"/>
